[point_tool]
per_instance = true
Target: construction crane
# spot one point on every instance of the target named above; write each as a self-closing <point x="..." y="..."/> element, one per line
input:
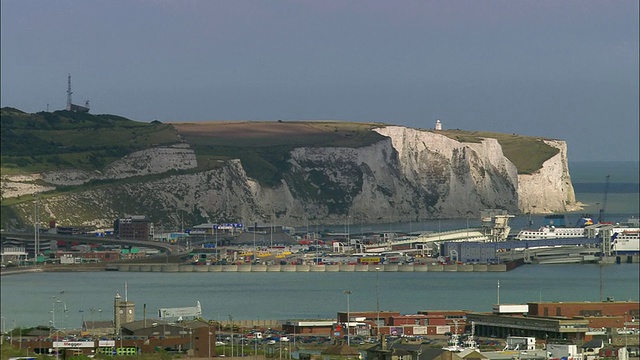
<point x="604" y="200"/>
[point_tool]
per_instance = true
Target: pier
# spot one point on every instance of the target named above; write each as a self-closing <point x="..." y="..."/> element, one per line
<point x="248" y="268"/>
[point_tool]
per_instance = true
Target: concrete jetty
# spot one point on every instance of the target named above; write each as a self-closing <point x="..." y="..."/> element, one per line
<point x="246" y="268"/>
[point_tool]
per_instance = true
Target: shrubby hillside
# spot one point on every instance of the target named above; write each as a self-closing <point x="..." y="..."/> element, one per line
<point x="88" y="169"/>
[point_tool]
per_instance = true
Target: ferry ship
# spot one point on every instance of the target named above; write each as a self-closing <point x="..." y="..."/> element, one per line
<point x="625" y="237"/>
<point x="550" y="231"/>
<point x="626" y="241"/>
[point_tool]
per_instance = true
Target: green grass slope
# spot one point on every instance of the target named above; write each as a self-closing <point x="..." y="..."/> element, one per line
<point x="52" y="141"/>
<point x="527" y="153"/>
<point x="264" y="147"/>
<point x="62" y="139"/>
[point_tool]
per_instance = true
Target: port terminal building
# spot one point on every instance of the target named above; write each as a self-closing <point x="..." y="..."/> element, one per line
<point x="573" y="321"/>
<point x="494" y="252"/>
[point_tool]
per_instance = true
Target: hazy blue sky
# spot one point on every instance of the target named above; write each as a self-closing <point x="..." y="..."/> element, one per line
<point x="557" y="68"/>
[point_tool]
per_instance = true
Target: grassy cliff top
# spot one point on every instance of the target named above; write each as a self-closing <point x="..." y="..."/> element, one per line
<point x="527" y="153"/>
<point x="264" y="147"/>
<point x="46" y="141"/>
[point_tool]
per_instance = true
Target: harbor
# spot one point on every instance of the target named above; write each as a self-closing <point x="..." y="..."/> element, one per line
<point x="490" y="247"/>
<point x="361" y="329"/>
<point x="435" y="267"/>
<point x="26" y="298"/>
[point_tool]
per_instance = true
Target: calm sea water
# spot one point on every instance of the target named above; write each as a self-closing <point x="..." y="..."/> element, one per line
<point x="589" y="182"/>
<point x="27" y="300"/>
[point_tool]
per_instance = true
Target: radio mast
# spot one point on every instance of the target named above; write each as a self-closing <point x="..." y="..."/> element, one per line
<point x="69" y="93"/>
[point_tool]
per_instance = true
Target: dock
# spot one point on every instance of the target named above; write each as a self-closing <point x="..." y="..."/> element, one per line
<point x="248" y="268"/>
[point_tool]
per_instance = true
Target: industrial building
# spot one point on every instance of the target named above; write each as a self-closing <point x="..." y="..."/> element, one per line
<point x="133" y="227"/>
<point x="490" y="252"/>
<point x="574" y="321"/>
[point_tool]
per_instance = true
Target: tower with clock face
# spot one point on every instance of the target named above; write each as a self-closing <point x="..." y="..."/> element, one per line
<point x="124" y="312"/>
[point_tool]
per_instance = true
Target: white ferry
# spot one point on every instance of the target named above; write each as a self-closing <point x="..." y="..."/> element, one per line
<point x="550" y="232"/>
<point x="626" y="241"/>
<point x="625" y="238"/>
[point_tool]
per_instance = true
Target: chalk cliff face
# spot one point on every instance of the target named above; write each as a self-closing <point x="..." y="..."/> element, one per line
<point x="145" y="162"/>
<point x="550" y="189"/>
<point x="411" y="175"/>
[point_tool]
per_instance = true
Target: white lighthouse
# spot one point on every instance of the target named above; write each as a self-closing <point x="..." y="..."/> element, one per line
<point x="438" y="125"/>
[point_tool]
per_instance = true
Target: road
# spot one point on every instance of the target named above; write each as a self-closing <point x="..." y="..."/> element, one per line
<point x="28" y="237"/>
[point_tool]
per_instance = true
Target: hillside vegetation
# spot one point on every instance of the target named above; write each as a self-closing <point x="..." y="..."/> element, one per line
<point x="264" y="147"/>
<point x="527" y="153"/>
<point x="52" y="141"/>
<point x="151" y="182"/>
<point x="46" y="141"/>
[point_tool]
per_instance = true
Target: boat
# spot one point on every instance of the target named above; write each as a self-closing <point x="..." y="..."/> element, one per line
<point x="554" y="228"/>
<point x="455" y="345"/>
<point x="626" y="241"/>
<point x="550" y="232"/>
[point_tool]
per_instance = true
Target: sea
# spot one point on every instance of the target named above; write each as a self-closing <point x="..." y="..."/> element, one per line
<point x="33" y="299"/>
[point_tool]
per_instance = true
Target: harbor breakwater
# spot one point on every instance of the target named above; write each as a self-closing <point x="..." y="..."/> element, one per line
<point x="306" y="268"/>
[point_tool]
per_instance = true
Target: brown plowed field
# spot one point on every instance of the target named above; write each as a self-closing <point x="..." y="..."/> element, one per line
<point x="247" y="129"/>
<point x="270" y="133"/>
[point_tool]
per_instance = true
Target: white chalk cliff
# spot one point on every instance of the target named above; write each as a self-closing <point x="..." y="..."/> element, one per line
<point x="411" y="175"/>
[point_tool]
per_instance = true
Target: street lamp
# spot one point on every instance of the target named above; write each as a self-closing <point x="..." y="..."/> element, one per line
<point x="377" y="300"/>
<point x="242" y="341"/>
<point x="255" y="348"/>
<point x="467" y="239"/>
<point x="93" y="323"/>
<point x="190" y="338"/>
<point x="53" y="312"/>
<point x="272" y="226"/>
<point x="209" y="337"/>
<point x="255" y="249"/>
<point x="348" y="293"/>
<point x="215" y="231"/>
<point x="36" y="229"/>
<point x="231" y="321"/>
<point x="2" y="330"/>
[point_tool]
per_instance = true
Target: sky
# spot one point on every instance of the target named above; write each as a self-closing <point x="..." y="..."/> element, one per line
<point x="565" y="69"/>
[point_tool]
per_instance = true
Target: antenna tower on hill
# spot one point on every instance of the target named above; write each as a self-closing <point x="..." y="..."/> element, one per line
<point x="69" y="93"/>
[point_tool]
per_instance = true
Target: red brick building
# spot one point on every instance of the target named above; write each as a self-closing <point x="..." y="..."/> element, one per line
<point x="447" y="314"/>
<point x="628" y="309"/>
<point x="103" y="256"/>
<point x="408" y="320"/>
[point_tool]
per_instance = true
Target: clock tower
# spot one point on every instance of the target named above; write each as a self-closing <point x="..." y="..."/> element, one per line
<point x="123" y="312"/>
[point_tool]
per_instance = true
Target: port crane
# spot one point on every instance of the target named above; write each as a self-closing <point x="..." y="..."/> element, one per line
<point x="604" y="200"/>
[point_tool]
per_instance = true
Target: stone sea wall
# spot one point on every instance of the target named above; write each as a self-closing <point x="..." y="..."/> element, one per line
<point x="306" y="268"/>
